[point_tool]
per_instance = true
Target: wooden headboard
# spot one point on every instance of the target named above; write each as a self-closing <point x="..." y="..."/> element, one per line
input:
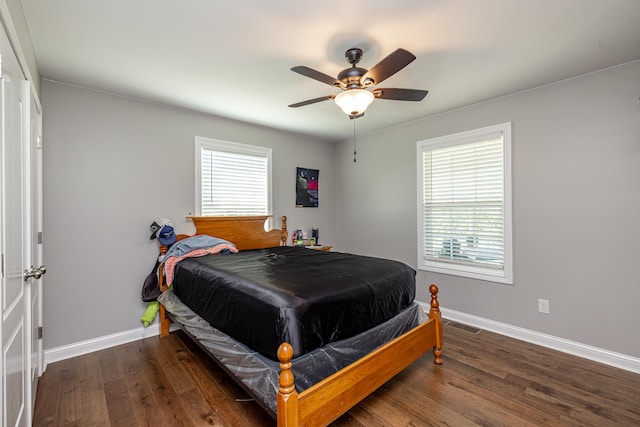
<point x="246" y="232"/>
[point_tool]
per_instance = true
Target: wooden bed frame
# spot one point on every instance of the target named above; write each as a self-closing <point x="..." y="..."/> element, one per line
<point x="327" y="400"/>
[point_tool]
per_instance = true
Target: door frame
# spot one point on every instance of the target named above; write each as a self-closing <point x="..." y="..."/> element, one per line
<point x="36" y="188"/>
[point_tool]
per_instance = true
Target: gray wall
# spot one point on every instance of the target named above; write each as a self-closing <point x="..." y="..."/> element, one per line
<point x="576" y="199"/>
<point x="112" y="165"/>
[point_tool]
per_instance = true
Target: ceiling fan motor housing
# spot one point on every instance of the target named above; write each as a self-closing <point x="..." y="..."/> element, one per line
<point x="351" y="77"/>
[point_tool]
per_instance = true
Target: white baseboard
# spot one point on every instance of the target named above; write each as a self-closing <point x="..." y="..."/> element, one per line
<point x="611" y="358"/>
<point x="89" y="346"/>
<point x="596" y="354"/>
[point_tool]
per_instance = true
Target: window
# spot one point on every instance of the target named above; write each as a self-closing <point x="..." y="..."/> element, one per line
<point x="232" y="179"/>
<point x="464" y="204"/>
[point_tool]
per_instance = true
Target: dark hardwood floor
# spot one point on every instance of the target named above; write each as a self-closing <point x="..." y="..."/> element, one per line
<point x="486" y="379"/>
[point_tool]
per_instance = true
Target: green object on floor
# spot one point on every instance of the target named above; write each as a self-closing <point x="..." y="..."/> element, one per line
<point x="150" y="313"/>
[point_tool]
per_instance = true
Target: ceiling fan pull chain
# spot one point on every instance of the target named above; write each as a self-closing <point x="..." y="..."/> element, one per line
<point x="354" y="140"/>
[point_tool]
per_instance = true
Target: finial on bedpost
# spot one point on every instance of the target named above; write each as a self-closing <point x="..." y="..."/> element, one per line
<point x="434" y="313"/>
<point x="284" y="234"/>
<point x="435" y="305"/>
<point x="287" y="397"/>
<point x="285" y="353"/>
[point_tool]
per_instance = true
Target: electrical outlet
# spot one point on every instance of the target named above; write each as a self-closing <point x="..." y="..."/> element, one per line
<point x="543" y="306"/>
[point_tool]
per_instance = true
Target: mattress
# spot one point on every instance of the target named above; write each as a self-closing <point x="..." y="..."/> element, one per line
<point x="258" y="374"/>
<point x="308" y="298"/>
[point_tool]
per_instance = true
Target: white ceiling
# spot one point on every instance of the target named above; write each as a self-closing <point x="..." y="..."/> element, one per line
<point x="234" y="59"/>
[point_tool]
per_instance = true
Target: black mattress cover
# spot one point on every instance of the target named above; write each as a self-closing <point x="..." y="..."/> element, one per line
<point x="305" y="297"/>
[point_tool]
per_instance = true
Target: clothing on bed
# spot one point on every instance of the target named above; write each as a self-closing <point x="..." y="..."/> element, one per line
<point x="193" y="247"/>
<point x="308" y="298"/>
<point x="200" y="241"/>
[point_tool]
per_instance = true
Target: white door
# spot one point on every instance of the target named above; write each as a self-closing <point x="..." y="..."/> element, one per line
<point x="15" y="292"/>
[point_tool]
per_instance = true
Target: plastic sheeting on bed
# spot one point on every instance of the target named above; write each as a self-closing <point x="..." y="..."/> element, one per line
<point x="259" y="374"/>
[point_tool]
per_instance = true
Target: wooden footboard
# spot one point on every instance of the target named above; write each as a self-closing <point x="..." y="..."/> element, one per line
<point x="327" y="400"/>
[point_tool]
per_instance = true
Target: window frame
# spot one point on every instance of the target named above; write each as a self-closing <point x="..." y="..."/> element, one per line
<point x="230" y="147"/>
<point x="469" y="269"/>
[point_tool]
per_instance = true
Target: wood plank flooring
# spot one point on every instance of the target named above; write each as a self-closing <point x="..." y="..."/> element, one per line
<point x="486" y="379"/>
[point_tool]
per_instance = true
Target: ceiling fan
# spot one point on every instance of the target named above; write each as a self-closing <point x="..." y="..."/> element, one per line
<point x="355" y="82"/>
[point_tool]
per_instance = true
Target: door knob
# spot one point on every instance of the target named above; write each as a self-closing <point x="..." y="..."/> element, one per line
<point x="35" y="272"/>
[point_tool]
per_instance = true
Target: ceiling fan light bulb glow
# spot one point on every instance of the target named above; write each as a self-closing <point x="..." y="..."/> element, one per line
<point x="354" y="101"/>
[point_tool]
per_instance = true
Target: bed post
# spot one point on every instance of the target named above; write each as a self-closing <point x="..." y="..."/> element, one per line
<point x="164" y="319"/>
<point x="434" y="313"/>
<point x="284" y="234"/>
<point x="287" y="397"/>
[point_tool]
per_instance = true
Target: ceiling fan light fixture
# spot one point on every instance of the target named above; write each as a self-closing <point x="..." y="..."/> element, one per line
<point x="354" y="101"/>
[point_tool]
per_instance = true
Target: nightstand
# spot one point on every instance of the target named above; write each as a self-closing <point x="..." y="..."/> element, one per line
<point x="325" y="248"/>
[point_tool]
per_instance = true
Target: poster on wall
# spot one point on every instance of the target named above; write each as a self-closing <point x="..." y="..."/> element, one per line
<point x="307" y="188"/>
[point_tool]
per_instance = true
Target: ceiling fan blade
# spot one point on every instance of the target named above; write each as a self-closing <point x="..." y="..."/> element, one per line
<point x="400" y="94"/>
<point x="390" y="65"/>
<point x="311" y="101"/>
<point x="317" y="75"/>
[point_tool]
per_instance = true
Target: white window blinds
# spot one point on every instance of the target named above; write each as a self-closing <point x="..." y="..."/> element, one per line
<point x="234" y="179"/>
<point x="464" y="207"/>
